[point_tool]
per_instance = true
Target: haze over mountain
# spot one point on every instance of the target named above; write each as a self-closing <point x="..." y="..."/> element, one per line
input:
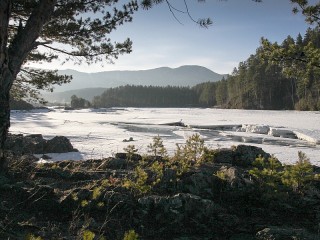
<point x="190" y="75"/>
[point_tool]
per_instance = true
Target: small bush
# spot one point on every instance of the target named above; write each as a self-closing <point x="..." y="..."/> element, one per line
<point x="130" y="151"/>
<point x="157" y="148"/>
<point x="131" y="235"/>
<point x="298" y="176"/>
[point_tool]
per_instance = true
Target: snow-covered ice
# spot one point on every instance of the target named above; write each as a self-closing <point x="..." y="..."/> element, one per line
<point x="99" y="133"/>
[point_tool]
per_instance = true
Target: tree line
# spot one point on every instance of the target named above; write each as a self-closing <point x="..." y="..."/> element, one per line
<point x="263" y="81"/>
<point x="267" y="81"/>
<point x="146" y="96"/>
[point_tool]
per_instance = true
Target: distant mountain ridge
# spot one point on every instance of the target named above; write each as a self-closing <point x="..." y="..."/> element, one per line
<point x="188" y="75"/>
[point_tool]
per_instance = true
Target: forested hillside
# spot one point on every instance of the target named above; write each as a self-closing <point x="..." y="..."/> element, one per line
<point x="264" y="82"/>
<point x="147" y="96"/>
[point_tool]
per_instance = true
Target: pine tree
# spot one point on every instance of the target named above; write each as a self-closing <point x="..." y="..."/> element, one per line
<point x="77" y="29"/>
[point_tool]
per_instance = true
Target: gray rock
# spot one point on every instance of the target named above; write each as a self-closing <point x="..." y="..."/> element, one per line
<point x="235" y="176"/>
<point x="285" y="233"/>
<point x="59" y="144"/>
<point x="36" y="144"/>
<point x="224" y="155"/>
<point x="33" y="144"/>
<point x="134" y="157"/>
<point x="245" y="155"/>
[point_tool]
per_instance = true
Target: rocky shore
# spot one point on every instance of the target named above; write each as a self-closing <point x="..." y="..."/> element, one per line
<point x="218" y="196"/>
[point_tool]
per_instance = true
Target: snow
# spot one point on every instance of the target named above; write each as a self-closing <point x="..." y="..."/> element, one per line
<point x="99" y="133"/>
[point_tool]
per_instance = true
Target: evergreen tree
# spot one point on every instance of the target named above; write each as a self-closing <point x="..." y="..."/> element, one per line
<point x="63" y="27"/>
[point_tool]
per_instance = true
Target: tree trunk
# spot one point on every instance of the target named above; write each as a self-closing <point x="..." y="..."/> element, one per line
<point x="13" y="55"/>
<point x="6" y="78"/>
<point x="5" y="83"/>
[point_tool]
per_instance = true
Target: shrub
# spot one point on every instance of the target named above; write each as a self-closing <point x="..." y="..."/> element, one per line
<point x="130" y="151"/>
<point x="298" y="176"/>
<point x="131" y="235"/>
<point x="88" y="235"/>
<point x="267" y="171"/>
<point x="157" y="148"/>
<point x="139" y="182"/>
<point x="190" y="154"/>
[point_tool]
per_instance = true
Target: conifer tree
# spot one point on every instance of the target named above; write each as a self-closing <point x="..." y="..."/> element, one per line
<point x="42" y="30"/>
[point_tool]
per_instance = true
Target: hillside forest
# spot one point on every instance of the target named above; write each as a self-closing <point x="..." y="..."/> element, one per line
<point x="260" y="82"/>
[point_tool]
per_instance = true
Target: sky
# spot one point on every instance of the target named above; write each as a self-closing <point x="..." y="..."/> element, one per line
<point x="159" y="40"/>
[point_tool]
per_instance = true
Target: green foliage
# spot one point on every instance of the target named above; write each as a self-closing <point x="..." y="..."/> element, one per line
<point x="32" y="237"/>
<point x="88" y="235"/>
<point x="130" y="150"/>
<point x="96" y="193"/>
<point x="131" y="235"/>
<point x="221" y="175"/>
<point x="267" y="171"/>
<point x="147" y="96"/>
<point x="190" y="154"/>
<point x="272" y="174"/>
<point x="84" y="203"/>
<point x="311" y="12"/>
<point x="194" y="148"/>
<point x="79" y="102"/>
<point x="299" y="175"/>
<point x="139" y="181"/>
<point x="277" y="76"/>
<point x="157" y="148"/>
<point x="157" y="172"/>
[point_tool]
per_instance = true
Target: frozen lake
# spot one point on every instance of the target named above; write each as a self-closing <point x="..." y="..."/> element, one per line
<point x="98" y="133"/>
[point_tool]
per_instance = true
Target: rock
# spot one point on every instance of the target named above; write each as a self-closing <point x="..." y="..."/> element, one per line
<point x="183" y="213"/>
<point x="14" y="143"/>
<point x="116" y="163"/>
<point x="245" y="155"/>
<point x="199" y="184"/>
<point x="223" y="156"/>
<point x="284" y="233"/>
<point x="45" y="157"/>
<point x="36" y="144"/>
<point x="241" y="155"/>
<point x="33" y="144"/>
<point x="23" y="162"/>
<point x="59" y="144"/>
<point x="235" y="177"/>
<point x="128" y="140"/>
<point x="134" y="157"/>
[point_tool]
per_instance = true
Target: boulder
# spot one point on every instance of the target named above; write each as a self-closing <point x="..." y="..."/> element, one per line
<point x="14" y="143"/>
<point x="182" y="214"/>
<point x="236" y="177"/>
<point x="59" y="144"/>
<point x="223" y="156"/>
<point x="116" y="163"/>
<point x="33" y="144"/>
<point x="241" y="155"/>
<point x="283" y="233"/>
<point x="135" y="157"/>
<point x="245" y="155"/>
<point x="36" y="144"/>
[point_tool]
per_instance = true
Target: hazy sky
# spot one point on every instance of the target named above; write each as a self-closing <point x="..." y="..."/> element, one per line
<point x="159" y="40"/>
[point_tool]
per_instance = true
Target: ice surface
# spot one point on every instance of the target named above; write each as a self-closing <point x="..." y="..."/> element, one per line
<point x="98" y="133"/>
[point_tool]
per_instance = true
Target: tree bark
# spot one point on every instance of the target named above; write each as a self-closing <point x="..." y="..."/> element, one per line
<point x="6" y="82"/>
<point x="5" y="77"/>
<point x="13" y="55"/>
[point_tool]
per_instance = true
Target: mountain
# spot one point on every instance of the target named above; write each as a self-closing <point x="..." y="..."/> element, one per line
<point x="189" y="75"/>
<point x="63" y="97"/>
